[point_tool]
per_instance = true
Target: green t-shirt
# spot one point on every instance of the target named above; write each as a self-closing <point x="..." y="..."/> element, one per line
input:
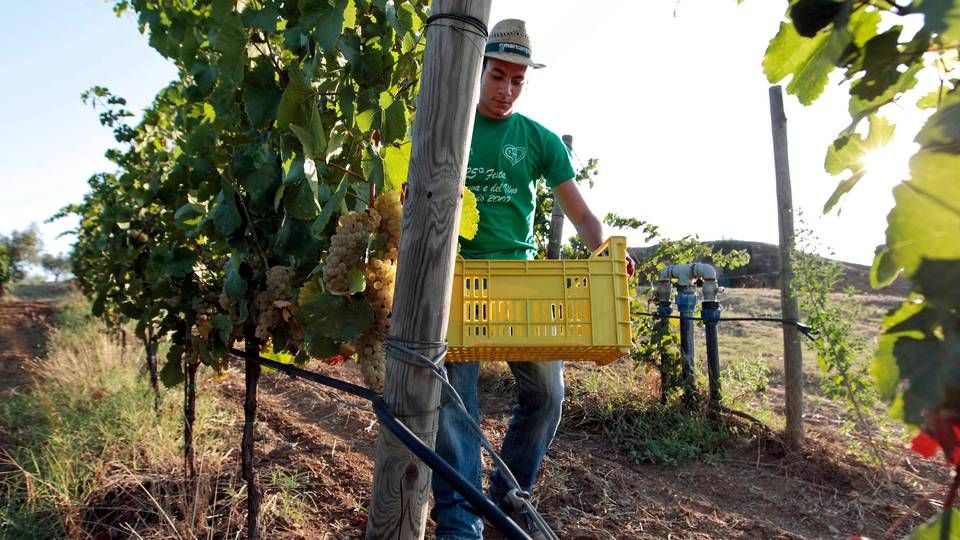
<point x="507" y="157"/>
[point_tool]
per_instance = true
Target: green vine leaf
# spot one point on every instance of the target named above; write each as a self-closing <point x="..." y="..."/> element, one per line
<point x="945" y="525"/>
<point x="942" y="17"/>
<point x="396" y="163"/>
<point x="261" y="95"/>
<point x="810" y="60"/>
<point x="230" y="40"/>
<point x="296" y="101"/>
<point x="847" y="153"/>
<point x="313" y="138"/>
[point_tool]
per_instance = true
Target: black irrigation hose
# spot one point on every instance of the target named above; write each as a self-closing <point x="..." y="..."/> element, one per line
<point x="804" y="329"/>
<point x="476" y="497"/>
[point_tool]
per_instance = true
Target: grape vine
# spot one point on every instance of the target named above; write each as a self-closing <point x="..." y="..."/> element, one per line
<point x="884" y="65"/>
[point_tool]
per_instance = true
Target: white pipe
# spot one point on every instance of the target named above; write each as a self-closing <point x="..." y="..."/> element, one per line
<point x="685" y="274"/>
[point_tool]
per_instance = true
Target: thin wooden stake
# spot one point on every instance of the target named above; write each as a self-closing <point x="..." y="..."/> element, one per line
<point x="792" y="355"/>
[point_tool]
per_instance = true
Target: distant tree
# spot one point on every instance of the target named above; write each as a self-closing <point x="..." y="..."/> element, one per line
<point x="57" y="265"/>
<point x="4" y="270"/>
<point x="16" y="252"/>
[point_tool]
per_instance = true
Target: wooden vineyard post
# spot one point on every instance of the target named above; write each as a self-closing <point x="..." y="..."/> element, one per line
<point x="792" y="355"/>
<point x="556" y="218"/>
<point x="428" y="243"/>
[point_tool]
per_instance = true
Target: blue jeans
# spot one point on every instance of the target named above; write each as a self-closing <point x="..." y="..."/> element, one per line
<point x="534" y="423"/>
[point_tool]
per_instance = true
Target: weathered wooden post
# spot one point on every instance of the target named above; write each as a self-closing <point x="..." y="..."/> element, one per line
<point x="556" y="219"/>
<point x="792" y="355"/>
<point x="428" y="244"/>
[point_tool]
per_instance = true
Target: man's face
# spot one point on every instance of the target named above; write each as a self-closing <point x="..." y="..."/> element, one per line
<point x="500" y="85"/>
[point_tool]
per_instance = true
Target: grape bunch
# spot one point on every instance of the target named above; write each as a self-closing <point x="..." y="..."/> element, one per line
<point x="348" y="248"/>
<point x="391" y="216"/>
<point x="273" y="305"/>
<point x="372" y="360"/>
<point x="380" y="274"/>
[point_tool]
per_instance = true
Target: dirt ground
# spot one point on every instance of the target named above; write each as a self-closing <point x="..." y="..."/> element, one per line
<point x="589" y="488"/>
<point x="23" y="326"/>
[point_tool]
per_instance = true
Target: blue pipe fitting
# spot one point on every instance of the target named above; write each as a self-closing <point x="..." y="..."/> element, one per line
<point x="710" y="312"/>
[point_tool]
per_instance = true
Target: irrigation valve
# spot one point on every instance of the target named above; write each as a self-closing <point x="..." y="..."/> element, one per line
<point x="686" y="275"/>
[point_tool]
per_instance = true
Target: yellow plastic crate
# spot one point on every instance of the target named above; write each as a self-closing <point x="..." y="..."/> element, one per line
<point x="568" y="309"/>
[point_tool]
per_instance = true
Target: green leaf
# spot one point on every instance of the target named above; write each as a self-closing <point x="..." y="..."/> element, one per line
<point x="842" y="188"/>
<point x="261" y="95"/>
<point x="941" y="133"/>
<point x="881" y="58"/>
<point x="189" y="216"/>
<point x="884" y="369"/>
<point x="221" y="322"/>
<point x="172" y="374"/>
<point x="396" y="163"/>
<point x="350" y="15"/>
<point x="943" y="18"/>
<point x="809" y="60"/>
<point x="294" y="239"/>
<point x="337" y="317"/>
<point x="923" y="363"/>
<point x="225" y="215"/>
<point x="329" y="208"/>
<point x="945" y="526"/>
<point x="937" y="281"/>
<point x="258" y="172"/>
<point x="324" y="20"/>
<point x="178" y="263"/>
<point x="313" y="138"/>
<point x="230" y="40"/>
<point x="263" y="19"/>
<point x="204" y="75"/>
<point x="926" y="218"/>
<point x="332" y="316"/>
<point x="297" y="100"/>
<point x="346" y="102"/>
<point x="234" y="283"/>
<point x="811" y="16"/>
<point x="357" y="281"/>
<point x="847" y="153"/>
<point x="884" y="270"/>
<point x="300" y="193"/>
<point x="469" y="215"/>
<point x="931" y="100"/>
<point x="366" y="119"/>
<point x="372" y="165"/>
<point x="394" y="127"/>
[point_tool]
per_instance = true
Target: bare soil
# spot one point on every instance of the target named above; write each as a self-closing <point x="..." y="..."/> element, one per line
<point x="23" y="329"/>
<point x="589" y="487"/>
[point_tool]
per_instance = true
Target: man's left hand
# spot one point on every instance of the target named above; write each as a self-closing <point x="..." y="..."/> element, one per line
<point x="631" y="266"/>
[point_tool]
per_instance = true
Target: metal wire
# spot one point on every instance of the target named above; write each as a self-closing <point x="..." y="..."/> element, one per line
<point x="804" y="329"/>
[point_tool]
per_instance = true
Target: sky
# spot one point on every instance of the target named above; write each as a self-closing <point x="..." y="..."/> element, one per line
<point x="668" y="95"/>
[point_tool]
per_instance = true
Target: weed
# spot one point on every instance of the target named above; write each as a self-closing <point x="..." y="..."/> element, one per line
<point x="621" y="410"/>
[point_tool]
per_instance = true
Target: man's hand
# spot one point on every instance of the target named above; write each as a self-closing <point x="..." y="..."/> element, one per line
<point x="631" y="266"/>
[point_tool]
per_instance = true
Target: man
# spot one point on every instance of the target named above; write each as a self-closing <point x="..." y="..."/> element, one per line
<point x="509" y="153"/>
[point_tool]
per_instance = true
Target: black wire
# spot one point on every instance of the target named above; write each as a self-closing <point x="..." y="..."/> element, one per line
<point x="476" y="497"/>
<point x="804" y="329"/>
<point x="464" y="18"/>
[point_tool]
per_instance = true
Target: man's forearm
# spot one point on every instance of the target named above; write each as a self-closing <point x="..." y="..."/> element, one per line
<point x="590" y="230"/>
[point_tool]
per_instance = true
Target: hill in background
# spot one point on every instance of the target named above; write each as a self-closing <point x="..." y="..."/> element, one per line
<point x="763" y="271"/>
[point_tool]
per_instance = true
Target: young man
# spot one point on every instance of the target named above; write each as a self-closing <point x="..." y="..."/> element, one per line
<point x="509" y="153"/>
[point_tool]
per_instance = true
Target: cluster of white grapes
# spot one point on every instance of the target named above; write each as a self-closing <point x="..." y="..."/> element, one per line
<point x="273" y="304"/>
<point x="348" y="248"/>
<point x="348" y="252"/>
